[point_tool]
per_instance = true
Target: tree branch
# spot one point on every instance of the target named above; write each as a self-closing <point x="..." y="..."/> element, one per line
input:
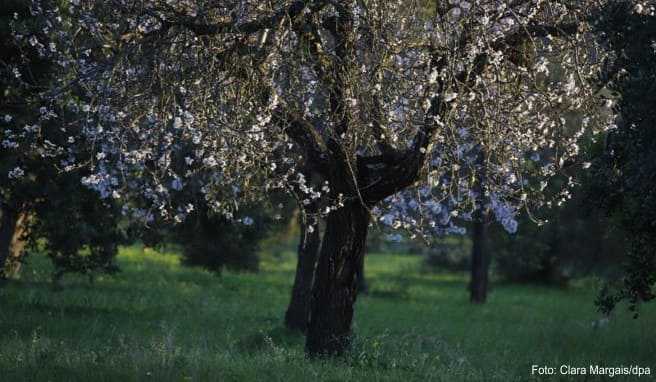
<point x="292" y="11"/>
<point x="536" y="31"/>
<point x="304" y="134"/>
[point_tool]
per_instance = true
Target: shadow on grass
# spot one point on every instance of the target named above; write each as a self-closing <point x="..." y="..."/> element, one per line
<point x="399" y="287"/>
<point x="60" y="373"/>
<point x="268" y="339"/>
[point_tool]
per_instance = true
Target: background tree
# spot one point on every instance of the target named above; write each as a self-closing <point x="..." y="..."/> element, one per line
<point x="75" y="229"/>
<point x="40" y="204"/>
<point x="480" y="254"/>
<point x="213" y="242"/>
<point x="480" y="262"/>
<point x="13" y="231"/>
<point x="624" y="174"/>
<point x="17" y="195"/>
<point x="574" y="241"/>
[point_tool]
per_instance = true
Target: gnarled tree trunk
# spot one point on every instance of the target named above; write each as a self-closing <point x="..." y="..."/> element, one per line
<point x="336" y="281"/>
<point x="298" y="312"/>
<point x="480" y="260"/>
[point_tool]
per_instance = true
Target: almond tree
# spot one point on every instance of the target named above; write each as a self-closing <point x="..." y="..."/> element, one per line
<point x="397" y="106"/>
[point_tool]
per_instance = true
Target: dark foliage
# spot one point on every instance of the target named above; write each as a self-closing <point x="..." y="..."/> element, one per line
<point x="575" y="242"/>
<point x="211" y="241"/>
<point x="626" y="172"/>
<point x="214" y="243"/>
<point x="452" y="253"/>
<point x="76" y="230"/>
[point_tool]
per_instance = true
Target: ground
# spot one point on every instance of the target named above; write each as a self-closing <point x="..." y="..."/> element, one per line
<point x="159" y="321"/>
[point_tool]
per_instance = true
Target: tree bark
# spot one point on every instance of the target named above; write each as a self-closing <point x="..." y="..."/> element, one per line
<point x="336" y="281"/>
<point x="7" y="227"/>
<point x="17" y="246"/>
<point x="298" y="312"/>
<point x="480" y="263"/>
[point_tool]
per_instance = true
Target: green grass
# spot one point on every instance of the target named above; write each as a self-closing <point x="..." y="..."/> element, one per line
<point x="162" y="322"/>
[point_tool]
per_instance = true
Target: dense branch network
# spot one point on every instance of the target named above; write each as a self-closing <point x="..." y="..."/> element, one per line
<point x="398" y="105"/>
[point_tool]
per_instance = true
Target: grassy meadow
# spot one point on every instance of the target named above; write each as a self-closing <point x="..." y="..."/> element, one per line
<point x="159" y="321"/>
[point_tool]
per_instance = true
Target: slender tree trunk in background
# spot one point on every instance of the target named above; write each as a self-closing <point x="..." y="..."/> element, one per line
<point x="7" y="227"/>
<point x="363" y="287"/>
<point x="17" y="243"/>
<point x="298" y="312"/>
<point x="336" y="281"/>
<point x="480" y="261"/>
<point x="551" y="267"/>
<point x="480" y="257"/>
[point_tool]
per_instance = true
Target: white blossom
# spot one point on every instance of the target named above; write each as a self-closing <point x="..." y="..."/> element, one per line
<point x="16" y="173"/>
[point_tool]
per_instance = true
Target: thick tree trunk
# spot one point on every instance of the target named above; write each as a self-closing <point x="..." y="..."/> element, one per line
<point x="336" y="281"/>
<point x="480" y="262"/>
<point x="298" y="312"/>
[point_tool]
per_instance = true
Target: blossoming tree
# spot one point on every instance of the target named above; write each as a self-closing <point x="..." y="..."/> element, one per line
<point x="40" y="206"/>
<point x="412" y="114"/>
